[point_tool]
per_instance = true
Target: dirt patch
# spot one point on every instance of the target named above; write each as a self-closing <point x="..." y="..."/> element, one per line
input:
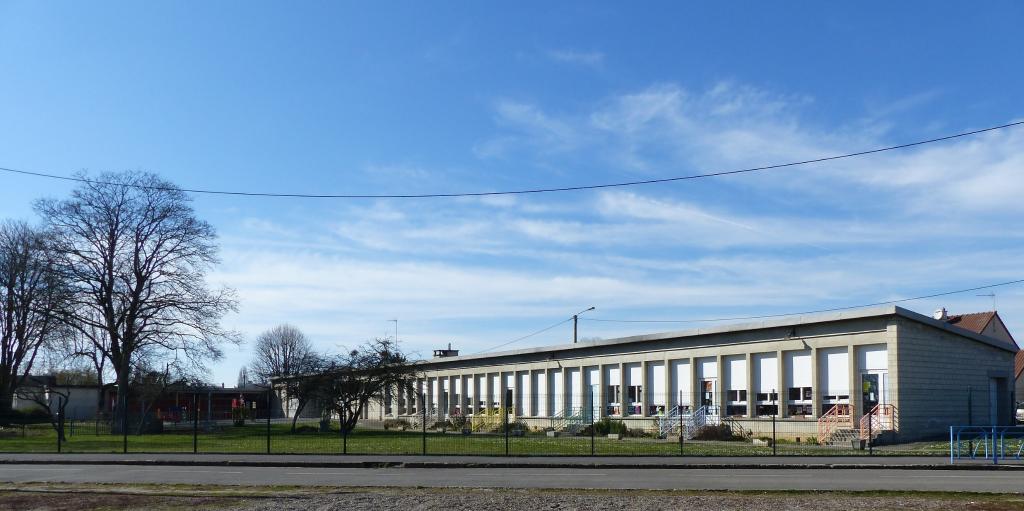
<point x="451" y="499"/>
<point x="532" y="500"/>
<point x="33" y="501"/>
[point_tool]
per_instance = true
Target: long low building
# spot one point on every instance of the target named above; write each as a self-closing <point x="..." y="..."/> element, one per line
<point x="886" y="369"/>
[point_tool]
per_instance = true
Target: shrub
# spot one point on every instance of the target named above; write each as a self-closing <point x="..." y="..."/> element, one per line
<point x="458" y="422"/>
<point x="719" y="432"/>
<point x="513" y="427"/>
<point x="396" y="424"/>
<point x="607" y="426"/>
<point x="32" y="415"/>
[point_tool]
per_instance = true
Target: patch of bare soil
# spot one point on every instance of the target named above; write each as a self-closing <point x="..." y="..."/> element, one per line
<point x="35" y="501"/>
<point x="533" y="500"/>
<point x="249" y="499"/>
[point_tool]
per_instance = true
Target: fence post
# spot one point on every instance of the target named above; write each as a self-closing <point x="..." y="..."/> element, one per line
<point x="775" y="442"/>
<point x="504" y="420"/>
<point x="195" y="422"/>
<point x="423" y="411"/>
<point x="681" y="428"/>
<point x="593" y="426"/>
<point x="60" y="422"/>
<point x="995" y="451"/>
<point x="871" y="444"/>
<point x="951" y="445"/>
<point x="269" y="405"/>
<point x="344" y="430"/>
<point x="124" y="420"/>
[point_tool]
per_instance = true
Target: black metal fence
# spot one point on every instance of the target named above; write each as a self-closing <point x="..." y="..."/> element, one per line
<point x="573" y="430"/>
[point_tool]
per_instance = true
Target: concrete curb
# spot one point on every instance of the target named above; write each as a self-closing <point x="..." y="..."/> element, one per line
<point x="510" y="464"/>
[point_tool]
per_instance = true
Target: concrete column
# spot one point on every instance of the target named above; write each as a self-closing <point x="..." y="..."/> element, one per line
<point x="623" y="400"/>
<point x="485" y="389"/>
<point x="695" y="390"/>
<point x="645" y="399"/>
<point x="783" y="391"/>
<point x="544" y="400"/>
<point x="602" y="392"/>
<point x="670" y="394"/>
<point x="517" y="395"/>
<point x="750" y="385"/>
<point x="815" y="384"/>
<point x="722" y="390"/>
<point x="566" y="391"/>
<point x="502" y="404"/>
<point x="854" y="387"/>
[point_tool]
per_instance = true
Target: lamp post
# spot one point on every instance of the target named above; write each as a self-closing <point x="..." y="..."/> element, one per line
<point x="575" y="320"/>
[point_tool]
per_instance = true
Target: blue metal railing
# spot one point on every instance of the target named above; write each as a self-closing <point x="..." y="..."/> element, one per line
<point x="990" y="440"/>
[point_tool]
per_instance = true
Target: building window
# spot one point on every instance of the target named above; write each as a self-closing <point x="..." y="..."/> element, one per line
<point x="635" y="398"/>
<point x="800" y="402"/>
<point x="766" y="403"/>
<point x="736" y="403"/>
<point x="614" y="398"/>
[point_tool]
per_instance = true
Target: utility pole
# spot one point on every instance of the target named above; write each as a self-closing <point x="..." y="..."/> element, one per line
<point x="575" y="321"/>
<point x="396" y="329"/>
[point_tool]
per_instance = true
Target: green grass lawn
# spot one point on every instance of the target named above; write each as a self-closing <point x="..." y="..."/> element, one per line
<point x="253" y="439"/>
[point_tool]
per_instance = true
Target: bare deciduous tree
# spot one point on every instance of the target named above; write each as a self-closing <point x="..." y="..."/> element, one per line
<point x="370" y="372"/>
<point x="281" y="351"/>
<point x="30" y="293"/>
<point x="80" y="345"/>
<point x="135" y="256"/>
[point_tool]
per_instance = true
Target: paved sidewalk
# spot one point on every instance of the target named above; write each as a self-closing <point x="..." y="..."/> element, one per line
<point x="616" y="462"/>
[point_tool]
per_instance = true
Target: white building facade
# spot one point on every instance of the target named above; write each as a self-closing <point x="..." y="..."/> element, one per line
<point x="887" y="368"/>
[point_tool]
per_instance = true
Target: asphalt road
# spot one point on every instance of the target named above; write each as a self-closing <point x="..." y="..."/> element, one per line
<point x="661" y="479"/>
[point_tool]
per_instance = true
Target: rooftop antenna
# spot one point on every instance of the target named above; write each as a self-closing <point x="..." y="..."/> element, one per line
<point x="992" y="295"/>
<point x="396" y="329"/>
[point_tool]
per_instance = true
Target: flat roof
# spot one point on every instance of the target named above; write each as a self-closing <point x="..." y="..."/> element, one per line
<point x="787" y="321"/>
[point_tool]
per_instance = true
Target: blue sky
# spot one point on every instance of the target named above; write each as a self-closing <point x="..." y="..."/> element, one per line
<point x="415" y="98"/>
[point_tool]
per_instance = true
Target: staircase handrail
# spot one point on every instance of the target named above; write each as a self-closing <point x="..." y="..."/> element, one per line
<point x="831" y="420"/>
<point x="872" y="425"/>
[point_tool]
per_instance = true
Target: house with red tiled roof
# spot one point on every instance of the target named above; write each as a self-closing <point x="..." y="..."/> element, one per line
<point x="985" y="323"/>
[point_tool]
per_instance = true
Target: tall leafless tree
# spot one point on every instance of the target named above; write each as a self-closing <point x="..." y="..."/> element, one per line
<point x="281" y="351"/>
<point x="79" y="345"/>
<point x="135" y="256"/>
<point x="285" y="351"/>
<point x="30" y="294"/>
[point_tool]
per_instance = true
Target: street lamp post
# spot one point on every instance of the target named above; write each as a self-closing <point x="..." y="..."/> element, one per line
<point x="575" y="320"/>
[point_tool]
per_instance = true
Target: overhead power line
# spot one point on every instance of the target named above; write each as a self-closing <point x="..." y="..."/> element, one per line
<point x="528" y="190"/>
<point x="527" y="336"/>
<point x="834" y="309"/>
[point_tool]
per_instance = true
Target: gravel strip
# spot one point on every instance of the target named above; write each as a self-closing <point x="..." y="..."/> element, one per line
<point x="527" y="500"/>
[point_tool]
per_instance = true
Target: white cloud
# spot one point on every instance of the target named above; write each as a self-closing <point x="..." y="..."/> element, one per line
<point x="483" y="270"/>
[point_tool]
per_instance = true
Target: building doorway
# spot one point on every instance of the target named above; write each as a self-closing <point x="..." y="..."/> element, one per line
<point x="874" y="394"/>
